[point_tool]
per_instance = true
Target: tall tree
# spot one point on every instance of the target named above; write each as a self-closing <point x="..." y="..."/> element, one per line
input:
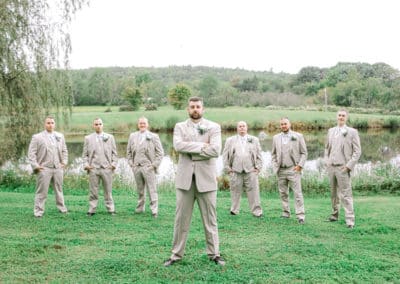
<point x="178" y="96"/>
<point x="34" y="46"/>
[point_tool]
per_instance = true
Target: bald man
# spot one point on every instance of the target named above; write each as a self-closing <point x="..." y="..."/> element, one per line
<point x="243" y="162"/>
<point x="289" y="154"/>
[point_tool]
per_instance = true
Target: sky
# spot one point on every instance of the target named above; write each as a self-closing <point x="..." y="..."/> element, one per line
<point x="258" y="35"/>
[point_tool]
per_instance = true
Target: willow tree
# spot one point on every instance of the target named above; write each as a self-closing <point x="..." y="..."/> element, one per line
<point x="34" y="49"/>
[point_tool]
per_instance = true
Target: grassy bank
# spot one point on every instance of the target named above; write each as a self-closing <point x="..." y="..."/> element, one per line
<point x="165" y="118"/>
<point x="129" y="248"/>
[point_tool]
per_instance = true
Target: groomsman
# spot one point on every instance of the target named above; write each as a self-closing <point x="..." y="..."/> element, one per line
<point x="100" y="161"/>
<point x="289" y="154"/>
<point x="48" y="156"/>
<point x="243" y="162"/>
<point x="198" y="142"/>
<point x="145" y="153"/>
<point x="342" y="151"/>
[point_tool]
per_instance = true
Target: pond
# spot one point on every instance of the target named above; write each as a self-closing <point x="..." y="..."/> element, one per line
<point x="377" y="147"/>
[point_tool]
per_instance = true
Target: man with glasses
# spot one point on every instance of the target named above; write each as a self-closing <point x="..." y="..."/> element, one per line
<point x="100" y="161"/>
<point x="342" y="151"/>
<point x="48" y="156"/>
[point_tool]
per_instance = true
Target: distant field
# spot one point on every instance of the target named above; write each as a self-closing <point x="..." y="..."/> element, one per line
<point x="166" y="117"/>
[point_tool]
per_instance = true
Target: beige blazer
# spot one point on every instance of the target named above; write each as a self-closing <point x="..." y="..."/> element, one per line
<point x="233" y="143"/>
<point x="194" y="159"/>
<point x="40" y="150"/>
<point x="297" y="150"/>
<point x="153" y="148"/>
<point x="350" y="145"/>
<point x="110" y="149"/>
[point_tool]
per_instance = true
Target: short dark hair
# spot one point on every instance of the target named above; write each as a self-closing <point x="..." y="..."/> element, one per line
<point x="195" y="99"/>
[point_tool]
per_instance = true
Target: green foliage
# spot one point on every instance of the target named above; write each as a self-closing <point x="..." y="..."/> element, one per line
<point x="178" y="96"/>
<point x="133" y="96"/>
<point x="33" y="40"/>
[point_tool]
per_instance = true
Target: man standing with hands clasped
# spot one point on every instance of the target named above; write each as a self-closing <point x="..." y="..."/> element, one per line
<point x="198" y="142"/>
<point x="48" y="156"/>
<point x="145" y="153"/>
<point x="100" y="161"/>
<point x="289" y="154"/>
<point x="243" y="162"/>
<point x="342" y="151"/>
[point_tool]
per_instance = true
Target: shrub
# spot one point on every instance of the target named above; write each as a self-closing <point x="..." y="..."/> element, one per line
<point x="126" y="108"/>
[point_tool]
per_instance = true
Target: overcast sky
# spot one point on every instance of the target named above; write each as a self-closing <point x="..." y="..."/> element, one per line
<point x="282" y="35"/>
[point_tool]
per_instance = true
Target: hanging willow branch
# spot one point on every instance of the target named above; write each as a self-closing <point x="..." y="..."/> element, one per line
<point x="34" y="50"/>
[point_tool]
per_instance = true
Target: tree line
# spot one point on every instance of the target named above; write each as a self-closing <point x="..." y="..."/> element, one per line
<point x="346" y="84"/>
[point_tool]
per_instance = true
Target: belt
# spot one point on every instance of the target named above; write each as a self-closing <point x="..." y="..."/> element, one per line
<point x="286" y="167"/>
<point x="337" y="165"/>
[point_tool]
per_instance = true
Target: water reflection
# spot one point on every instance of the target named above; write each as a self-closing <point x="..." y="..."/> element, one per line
<point x="377" y="146"/>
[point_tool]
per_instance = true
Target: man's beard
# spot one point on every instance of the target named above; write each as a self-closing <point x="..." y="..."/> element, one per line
<point x="195" y="115"/>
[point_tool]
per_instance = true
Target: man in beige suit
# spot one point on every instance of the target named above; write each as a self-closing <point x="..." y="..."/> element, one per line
<point x="48" y="156"/>
<point x="342" y="151"/>
<point x="289" y="154"/>
<point x="243" y="162"/>
<point x="198" y="142"/>
<point x="145" y="153"/>
<point x="100" y="161"/>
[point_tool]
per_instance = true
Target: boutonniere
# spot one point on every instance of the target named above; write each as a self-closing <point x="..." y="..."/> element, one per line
<point x="148" y="136"/>
<point x="58" y="137"/>
<point x="344" y="131"/>
<point x="293" y="138"/>
<point x="249" y="139"/>
<point x="106" y="137"/>
<point x="202" y="129"/>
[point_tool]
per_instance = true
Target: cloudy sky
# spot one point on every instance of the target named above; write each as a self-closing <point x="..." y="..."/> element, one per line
<point x="282" y="35"/>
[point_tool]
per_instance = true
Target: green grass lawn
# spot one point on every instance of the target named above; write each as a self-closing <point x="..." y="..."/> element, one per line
<point x="166" y="117"/>
<point x="130" y="248"/>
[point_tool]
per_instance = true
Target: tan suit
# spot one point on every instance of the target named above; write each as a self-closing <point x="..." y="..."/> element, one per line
<point x="287" y="152"/>
<point x="242" y="160"/>
<point x="342" y="150"/>
<point x="101" y="154"/>
<point x="50" y="152"/>
<point x="144" y="154"/>
<point x="196" y="179"/>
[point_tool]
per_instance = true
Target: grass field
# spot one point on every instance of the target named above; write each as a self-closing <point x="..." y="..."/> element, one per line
<point x="129" y="248"/>
<point x="261" y="118"/>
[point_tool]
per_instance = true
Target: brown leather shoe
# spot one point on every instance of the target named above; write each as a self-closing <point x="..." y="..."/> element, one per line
<point x="170" y="262"/>
<point x="218" y="260"/>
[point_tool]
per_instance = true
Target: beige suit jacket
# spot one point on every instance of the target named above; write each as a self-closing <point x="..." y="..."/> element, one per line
<point x="297" y="150"/>
<point x="110" y="149"/>
<point x="253" y="146"/>
<point x="350" y="145"/>
<point x="194" y="159"/>
<point x="153" y="148"/>
<point x="40" y="150"/>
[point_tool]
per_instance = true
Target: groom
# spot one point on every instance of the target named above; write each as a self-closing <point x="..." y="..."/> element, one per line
<point x="198" y="142"/>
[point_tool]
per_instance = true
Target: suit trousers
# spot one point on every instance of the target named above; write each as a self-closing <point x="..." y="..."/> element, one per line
<point x="145" y="177"/>
<point x="290" y="178"/>
<point x="247" y="182"/>
<point x="44" y="177"/>
<point x="105" y="175"/>
<point x="341" y="192"/>
<point x="207" y="202"/>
